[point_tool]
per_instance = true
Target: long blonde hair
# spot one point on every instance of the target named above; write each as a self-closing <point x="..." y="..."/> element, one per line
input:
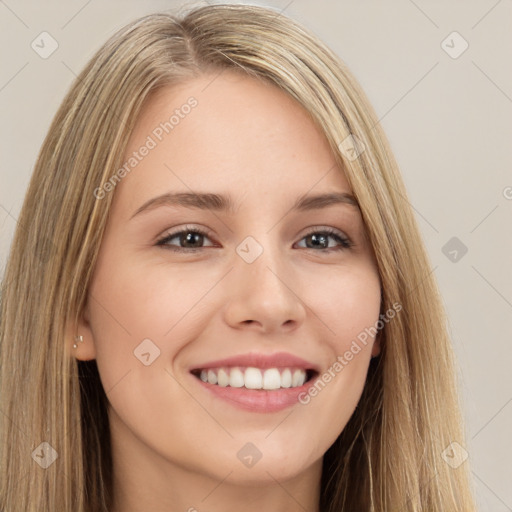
<point x="389" y="456"/>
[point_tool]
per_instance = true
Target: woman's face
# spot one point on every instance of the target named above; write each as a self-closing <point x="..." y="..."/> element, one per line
<point x="234" y="280"/>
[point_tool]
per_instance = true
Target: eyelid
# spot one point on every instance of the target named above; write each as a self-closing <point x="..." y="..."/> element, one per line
<point x="346" y="242"/>
<point x="186" y="228"/>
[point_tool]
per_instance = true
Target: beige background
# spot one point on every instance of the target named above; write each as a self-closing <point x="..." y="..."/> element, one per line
<point x="449" y="122"/>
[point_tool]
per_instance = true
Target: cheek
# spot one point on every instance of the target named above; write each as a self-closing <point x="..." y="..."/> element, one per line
<point x="348" y="305"/>
<point x="348" y="302"/>
<point x="133" y="302"/>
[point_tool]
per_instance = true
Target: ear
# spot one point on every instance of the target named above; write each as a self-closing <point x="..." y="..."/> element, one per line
<point x="85" y="349"/>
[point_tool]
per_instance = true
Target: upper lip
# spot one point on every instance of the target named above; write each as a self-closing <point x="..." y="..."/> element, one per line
<point x="259" y="360"/>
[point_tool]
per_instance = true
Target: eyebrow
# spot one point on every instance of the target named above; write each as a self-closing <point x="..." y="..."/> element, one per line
<point x="223" y="203"/>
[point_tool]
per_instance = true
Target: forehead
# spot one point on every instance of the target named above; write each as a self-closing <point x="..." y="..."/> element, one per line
<point x="228" y="131"/>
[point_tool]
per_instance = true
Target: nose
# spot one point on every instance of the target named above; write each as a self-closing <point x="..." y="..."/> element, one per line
<point x="264" y="296"/>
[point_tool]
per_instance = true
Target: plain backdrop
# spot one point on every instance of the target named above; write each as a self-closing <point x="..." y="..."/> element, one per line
<point x="447" y="113"/>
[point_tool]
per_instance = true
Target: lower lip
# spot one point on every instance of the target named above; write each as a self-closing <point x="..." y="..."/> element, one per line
<point x="257" y="400"/>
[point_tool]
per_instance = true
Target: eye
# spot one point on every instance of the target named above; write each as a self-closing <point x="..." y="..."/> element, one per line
<point x="319" y="239"/>
<point x="191" y="239"/>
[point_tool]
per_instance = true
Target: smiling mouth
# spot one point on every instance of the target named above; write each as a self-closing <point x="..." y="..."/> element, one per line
<point x="253" y="378"/>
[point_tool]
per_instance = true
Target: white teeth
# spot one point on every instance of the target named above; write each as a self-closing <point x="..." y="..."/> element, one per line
<point x="286" y="379"/>
<point x="236" y="378"/>
<point x="272" y="379"/>
<point x="212" y="377"/>
<point x="254" y="378"/>
<point x="223" y="378"/>
<point x="298" y="378"/>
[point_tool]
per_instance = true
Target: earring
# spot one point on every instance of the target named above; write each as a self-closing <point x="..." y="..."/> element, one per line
<point x="78" y="339"/>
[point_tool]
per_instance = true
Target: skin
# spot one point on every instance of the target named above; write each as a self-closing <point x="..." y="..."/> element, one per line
<point x="174" y="445"/>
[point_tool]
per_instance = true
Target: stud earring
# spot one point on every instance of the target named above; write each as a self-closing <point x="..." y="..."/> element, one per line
<point x="78" y="339"/>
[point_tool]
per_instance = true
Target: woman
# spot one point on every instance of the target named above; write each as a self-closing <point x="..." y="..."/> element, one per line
<point x="219" y="291"/>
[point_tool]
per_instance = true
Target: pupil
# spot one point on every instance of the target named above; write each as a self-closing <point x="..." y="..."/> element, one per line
<point x="189" y="238"/>
<point x="317" y="238"/>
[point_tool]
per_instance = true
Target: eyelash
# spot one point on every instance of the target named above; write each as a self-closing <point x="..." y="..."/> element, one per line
<point x="345" y="243"/>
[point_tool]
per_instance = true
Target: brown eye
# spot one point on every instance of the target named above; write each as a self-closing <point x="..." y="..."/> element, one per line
<point x="188" y="239"/>
<point x="320" y="240"/>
